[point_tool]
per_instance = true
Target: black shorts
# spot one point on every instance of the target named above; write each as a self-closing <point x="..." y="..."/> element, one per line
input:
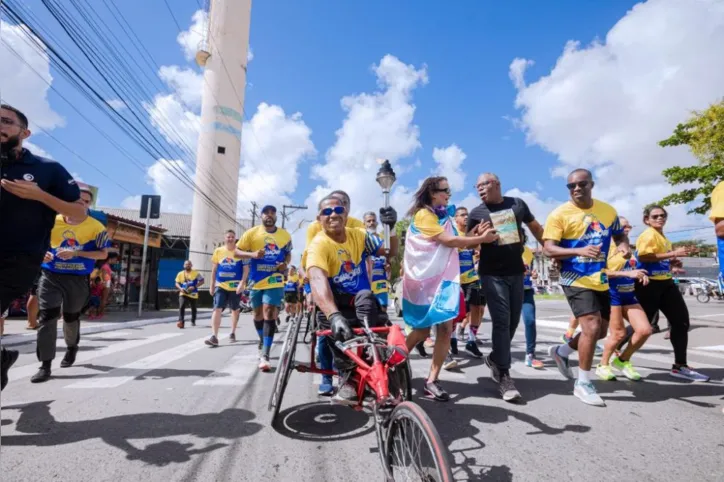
<point x="584" y="301"/>
<point x="34" y="288"/>
<point x="290" y="297"/>
<point x="473" y="294"/>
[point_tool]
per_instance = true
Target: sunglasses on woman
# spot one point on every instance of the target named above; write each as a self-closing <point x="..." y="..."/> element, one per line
<point x="659" y="216"/>
<point x="445" y="190"/>
<point x="335" y="210"/>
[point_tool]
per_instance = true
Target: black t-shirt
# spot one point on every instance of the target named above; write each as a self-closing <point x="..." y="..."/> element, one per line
<point x="26" y="224"/>
<point x="505" y="256"/>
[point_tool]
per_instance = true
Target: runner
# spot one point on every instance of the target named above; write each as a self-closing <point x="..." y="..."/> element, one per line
<point x="502" y="271"/>
<point x="622" y="278"/>
<point x="571" y="331"/>
<point x="378" y="268"/>
<point x="272" y="249"/>
<point x="470" y="283"/>
<point x="656" y="255"/>
<point x="431" y="281"/>
<point x="188" y="283"/>
<point x="32" y="191"/>
<point x="578" y="233"/>
<point x="529" y="308"/>
<point x="336" y="263"/>
<point x="315" y="227"/>
<point x="291" y="293"/>
<point x="75" y="245"/>
<point x="226" y="273"/>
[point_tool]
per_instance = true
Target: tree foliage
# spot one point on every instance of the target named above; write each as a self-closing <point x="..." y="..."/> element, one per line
<point x="703" y="133"/>
<point x="401" y="229"/>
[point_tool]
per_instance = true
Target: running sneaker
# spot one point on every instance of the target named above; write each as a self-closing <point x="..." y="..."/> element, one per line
<point x="454" y="346"/>
<point x="626" y="368"/>
<point x="420" y="347"/>
<point x="434" y="390"/>
<point x="232" y="338"/>
<point x="472" y="348"/>
<point x="533" y="362"/>
<point x="604" y="372"/>
<point x="586" y="392"/>
<point x="507" y="388"/>
<point x="326" y="388"/>
<point x="562" y="362"/>
<point x="566" y="338"/>
<point x="450" y="362"/>
<point x="69" y="357"/>
<point x="180" y="324"/>
<point x="687" y="373"/>
<point x="599" y="350"/>
<point x="494" y="370"/>
<point x="429" y="342"/>
<point x="460" y="331"/>
<point x="264" y="364"/>
<point x="346" y="395"/>
<point x="212" y="341"/>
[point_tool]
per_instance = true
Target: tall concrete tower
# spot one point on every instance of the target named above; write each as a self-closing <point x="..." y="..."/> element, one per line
<point x="223" y="55"/>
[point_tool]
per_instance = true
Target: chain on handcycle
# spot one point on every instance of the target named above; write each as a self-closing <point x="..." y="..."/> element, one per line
<point x="410" y="446"/>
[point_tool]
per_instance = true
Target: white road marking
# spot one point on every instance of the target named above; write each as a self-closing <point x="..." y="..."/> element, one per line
<point x="126" y="373"/>
<point x="708" y="316"/>
<point x="712" y="348"/>
<point x="236" y="372"/>
<point x="108" y="334"/>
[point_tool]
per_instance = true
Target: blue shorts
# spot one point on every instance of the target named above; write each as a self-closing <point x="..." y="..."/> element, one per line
<point x="226" y="299"/>
<point x="95" y="301"/>
<point x="627" y="298"/>
<point x="271" y="296"/>
<point x="382" y="298"/>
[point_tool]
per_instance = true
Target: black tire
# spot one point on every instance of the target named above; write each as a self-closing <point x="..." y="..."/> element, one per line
<point x="399" y="380"/>
<point x="406" y="420"/>
<point x="702" y="297"/>
<point x="281" y="378"/>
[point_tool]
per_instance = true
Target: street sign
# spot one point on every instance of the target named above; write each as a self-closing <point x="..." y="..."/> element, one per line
<point x="150" y="206"/>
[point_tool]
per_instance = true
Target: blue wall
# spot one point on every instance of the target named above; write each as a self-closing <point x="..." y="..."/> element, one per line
<point x="167" y="271"/>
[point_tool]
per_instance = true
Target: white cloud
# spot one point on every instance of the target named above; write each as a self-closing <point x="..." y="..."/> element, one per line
<point x="187" y="84"/>
<point x="37" y="150"/>
<point x="517" y="71"/>
<point x="249" y="55"/>
<point x="190" y="39"/>
<point x="175" y="195"/>
<point x="449" y="162"/>
<point x="117" y="104"/>
<point x="24" y="84"/>
<point x="177" y="124"/>
<point x="605" y="106"/>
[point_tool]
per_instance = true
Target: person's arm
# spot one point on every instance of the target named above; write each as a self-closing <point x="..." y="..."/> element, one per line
<point x="719" y="228"/>
<point x="481" y="234"/>
<point x="97" y="254"/>
<point x="212" y="286"/>
<point x="321" y="291"/>
<point x="553" y="250"/>
<point x="31" y="191"/>
<point x="536" y="230"/>
<point x="654" y="257"/>
<point x="244" y="278"/>
<point x="638" y="274"/>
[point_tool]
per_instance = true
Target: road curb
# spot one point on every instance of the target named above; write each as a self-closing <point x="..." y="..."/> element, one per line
<point x="24" y="338"/>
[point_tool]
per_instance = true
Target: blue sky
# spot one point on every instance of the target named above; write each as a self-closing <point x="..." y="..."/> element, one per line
<point x="309" y="55"/>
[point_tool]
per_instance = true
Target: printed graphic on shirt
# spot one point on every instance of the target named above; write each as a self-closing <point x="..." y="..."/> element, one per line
<point x="507" y="227"/>
<point x="90" y="235"/>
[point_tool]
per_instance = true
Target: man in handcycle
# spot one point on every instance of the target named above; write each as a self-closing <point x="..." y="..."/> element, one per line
<point x="337" y="268"/>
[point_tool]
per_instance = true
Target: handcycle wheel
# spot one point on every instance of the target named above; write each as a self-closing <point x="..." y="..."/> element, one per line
<point x="399" y="380"/>
<point x="310" y="326"/>
<point x="413" y="448"/>
<point x="286" y="358"/>
<point x="702" y="297"/>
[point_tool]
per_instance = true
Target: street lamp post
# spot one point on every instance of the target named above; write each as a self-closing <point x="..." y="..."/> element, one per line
<point x="386" y="178"/>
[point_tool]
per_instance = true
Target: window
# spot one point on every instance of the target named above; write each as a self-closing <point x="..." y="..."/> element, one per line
<point x="221" y="150"/>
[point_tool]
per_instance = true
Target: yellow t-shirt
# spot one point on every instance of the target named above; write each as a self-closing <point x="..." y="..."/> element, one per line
<point x="291" y="285"/>
<point x="717" y="202"/>
<point x="89" y="235"/>
<point x="277" y="246"/>
<point x="315" y="227"/>
<point x="345" y="263"/>
<point x="573" y="227"/>
<point x="653" y="242"/>
<point x="427" y="223"/>
<point x="528" y="262"/>
<point x="228" y="270"/>
<point x="189" y="283"/>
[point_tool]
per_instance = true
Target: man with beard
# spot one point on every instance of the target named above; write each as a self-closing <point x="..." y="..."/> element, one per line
<point x="188" y="282"/>
<point x="32" y="191"/>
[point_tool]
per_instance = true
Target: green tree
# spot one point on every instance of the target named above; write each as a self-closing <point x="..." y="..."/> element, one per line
<point x="703" y="133"/>
<point x="401" y="229"/>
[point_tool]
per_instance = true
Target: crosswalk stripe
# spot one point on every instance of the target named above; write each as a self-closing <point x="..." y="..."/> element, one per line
<point x="236" y="372"/>
<point x="107" y="334"/>
<point x="28" y="370"/>
<point x="126" y="373"/>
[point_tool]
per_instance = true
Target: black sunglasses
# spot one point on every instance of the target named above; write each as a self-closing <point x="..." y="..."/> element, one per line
<point x="446" y="190"/>
<point x="335" y="210"/>
<point x="572" y="185"/>
<point x="659" y="216"/>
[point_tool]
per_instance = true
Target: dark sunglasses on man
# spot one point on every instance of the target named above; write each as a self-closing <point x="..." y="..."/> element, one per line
<point x="335" y="210"/>
<point x="572" y="185"/>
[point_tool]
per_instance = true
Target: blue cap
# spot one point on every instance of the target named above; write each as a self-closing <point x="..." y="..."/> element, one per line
<point x="268" y="207"/>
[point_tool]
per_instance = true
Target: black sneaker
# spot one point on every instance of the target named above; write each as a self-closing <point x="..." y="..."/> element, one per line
<point x="346" y="395"/>
<point x="420" y="347"/>
<point x="43" y="375"/>
<point x="193" y="323"/>
<point x="472" y="348"/>
<point x="9" y="357"/>
<point x="212" y="341"/>
<point x="69" y="357"/>
<point x="507" y="388"/>
<point x="287" y="319"/>
<point x="494" y="370"/>
<point x="232" y="338"/>
<point x="454" y="346"/>
<point x="436" y="391"/>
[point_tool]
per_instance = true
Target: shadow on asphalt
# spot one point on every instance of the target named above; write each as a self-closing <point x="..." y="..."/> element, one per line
<point x="43" y="431"/>
<point x="323" y="422"/>
<point x="142" y="374"/>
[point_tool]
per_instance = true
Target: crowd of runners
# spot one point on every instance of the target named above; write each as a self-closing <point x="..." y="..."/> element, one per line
<point x="457" y="263"/>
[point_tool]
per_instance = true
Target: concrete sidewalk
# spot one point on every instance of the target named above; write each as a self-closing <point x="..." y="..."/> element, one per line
<point x="17" y="334"/>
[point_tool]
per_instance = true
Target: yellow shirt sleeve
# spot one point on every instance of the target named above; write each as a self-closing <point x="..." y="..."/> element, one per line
<point x="553" y="228"/>
<point x="527" y="256"/>
<point x="717" y="202"/>
<point x="215" y="257"/>
<point x="180" y="278"/>
<point x="354" y="223"/>
<point x="426" y="223"/>
<point x="646" y="243"/>
<point x="318" y="257"/>
<point x="312" y="231"/>
<point x="244" y="243"/>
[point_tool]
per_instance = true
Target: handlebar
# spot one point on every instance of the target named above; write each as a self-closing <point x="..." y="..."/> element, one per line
<point x="357" y="331"/>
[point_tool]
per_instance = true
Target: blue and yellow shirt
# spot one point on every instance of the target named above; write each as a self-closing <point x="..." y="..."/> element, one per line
<point x="277" y="246"/>
<point x="345" y="263"/>
<point x="653" y="242"/>
<point x="573" y="227"/>
<point x="189" y="282"/>
<point x="617" y="262"/>
<point x="528" y="263"/>
<point x="228" y="270"/>
<point x="90" y="235"/>
<point x="291" y="285"/>
<point x="379" y="275"/>
<point x="717" y="212"/>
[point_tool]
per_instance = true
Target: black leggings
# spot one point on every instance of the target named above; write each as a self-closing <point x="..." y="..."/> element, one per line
<point x="664" y="296"/>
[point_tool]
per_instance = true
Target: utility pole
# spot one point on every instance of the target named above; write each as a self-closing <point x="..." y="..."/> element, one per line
<point x="253" y="213"/>
<point x="223" y="55"/>
<point x="292" y="210"/>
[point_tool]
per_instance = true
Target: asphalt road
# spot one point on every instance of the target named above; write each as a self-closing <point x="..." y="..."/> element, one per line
<point x="153" y="403"/>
